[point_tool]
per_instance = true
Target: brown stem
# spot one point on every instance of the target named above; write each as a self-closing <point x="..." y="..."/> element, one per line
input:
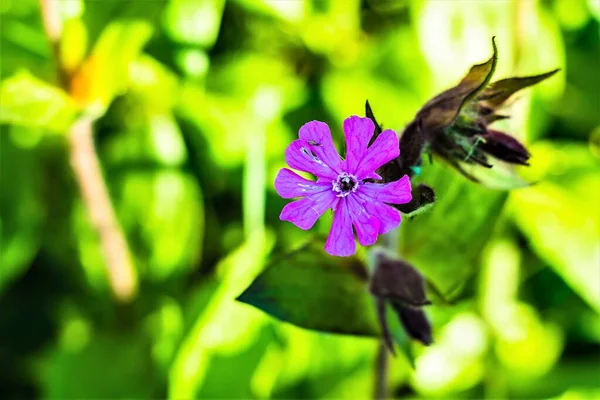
<point x="381" y="372"/>
<point x="86" y="167"/>
<point x="390" y="241"/>
<point x="87" y="171"/>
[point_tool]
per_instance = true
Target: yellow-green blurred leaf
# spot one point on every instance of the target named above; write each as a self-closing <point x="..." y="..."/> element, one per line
<point x="28" y="101"/>
<point x="564" y="231"/>
<point x="194" y="21"/>
<point x="104" y="74"/>
<point x="73" y="44"/>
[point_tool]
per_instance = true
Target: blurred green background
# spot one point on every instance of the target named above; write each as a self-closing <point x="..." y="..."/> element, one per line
<point x="194" y="102"/>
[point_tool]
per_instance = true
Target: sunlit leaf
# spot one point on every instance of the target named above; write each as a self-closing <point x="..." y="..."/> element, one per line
<point x="564" y="231"/>
<point x="105" y="73"/>
<point x="194" y="21"/>
<point x="26" y="100"/>
<point x="190" y="365"/>
<point x="316" y="291"/>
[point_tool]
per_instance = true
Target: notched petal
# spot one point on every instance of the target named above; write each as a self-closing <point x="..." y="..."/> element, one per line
<point x="398" y="192"/>
<point x="318" y="137"/>
<point x="300" y="155"/>
<point x="340" y="241"/>
<point x="366" y="225"/>
<point x="305" y="212"/>
<point x="383" y="150"/>
<point x="289" y="185"/>
<point x="358" y="132"/>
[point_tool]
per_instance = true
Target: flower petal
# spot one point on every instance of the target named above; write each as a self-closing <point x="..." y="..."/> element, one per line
<point x="305" y="212"/>
<point x="341" y="238"/>
<point x="289" y="185"/>
<point x="389" y="218"/>
<point x="317" y="134"/>
<point x="299" y="155"/>
<point x="398" y="192"/>
<point x="358" y="131"/>
<point x="365" y="224"/>
<point x="384" y="149"/>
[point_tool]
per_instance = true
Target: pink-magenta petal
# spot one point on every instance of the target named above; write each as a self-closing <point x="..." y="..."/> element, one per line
<point x="288" y="185"/>
<point x="389" y="218"/>
<point x="318" y="136"/>
<point x="305" y="212"/>
<point x="398" y="192"/>
<point x="358" y="131"/>
<point x="341" y="238"/>
<point x="299" y="155"/>
<point x="366" y="225"/>
<point x="384" y="149"/>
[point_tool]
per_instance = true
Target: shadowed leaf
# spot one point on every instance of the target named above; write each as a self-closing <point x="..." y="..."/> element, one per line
<point x="422" y="200"/>
<point x="415" y="322"/>
<point x="498" y="92"/>
<point x="398" y="280"/>
<point x="441" y="111"/>
<point x="310" y="289"/>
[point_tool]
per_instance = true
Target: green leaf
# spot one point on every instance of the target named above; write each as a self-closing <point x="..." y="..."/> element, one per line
<point x="104" y="74"/>
<point x="194" y="22"/>
<point x="21" y="210"/>
<point x="441" y="111"/>
<point x="28" y="101"/>
<point x="564" y="230"/>
<point x="81" y="372"/>
<point x="316" y="291"/>
<point x="457" y="226"/>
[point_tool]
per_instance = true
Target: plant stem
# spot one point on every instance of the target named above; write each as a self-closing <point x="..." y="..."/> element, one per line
<point x="381" y="372"/>
<point x="86" y="168"/>
<point x="391" y="242"/>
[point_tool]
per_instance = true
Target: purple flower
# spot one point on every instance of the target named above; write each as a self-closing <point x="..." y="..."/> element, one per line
<point x="345" y="186"/>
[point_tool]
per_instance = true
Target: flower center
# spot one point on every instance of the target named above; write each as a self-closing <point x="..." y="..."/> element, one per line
<point x="345" y="184"/>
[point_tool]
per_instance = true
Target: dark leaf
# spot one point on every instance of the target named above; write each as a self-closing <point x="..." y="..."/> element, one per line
<point x="369" y="114"/>
<point x="498" y="92"/>
<point x="441" y="111"/>
<point x="397" y="280"/>
<point x="316" y="291"/>
<point x="411" y="146"/>
<point x="415" y="322"/>
<point x="385" y="330"/>
<point x="423" y="198"/>
<point x="504" y="147"/>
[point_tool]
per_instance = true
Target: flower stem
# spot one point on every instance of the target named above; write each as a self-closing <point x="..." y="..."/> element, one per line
<point x="381" y="372"/>
<point x="391" y="242"/>
<point x="86" y="168"/>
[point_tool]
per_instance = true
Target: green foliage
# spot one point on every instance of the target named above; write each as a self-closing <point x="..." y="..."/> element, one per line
<point x="314" y="291"/>
<point x="194" y="103"/>
<point x="27" y="101"/>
